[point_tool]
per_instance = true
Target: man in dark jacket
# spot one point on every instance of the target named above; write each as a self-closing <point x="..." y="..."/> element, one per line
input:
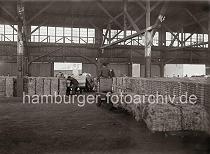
<point x="72" y="83"/>
<point x="105" y="71"/>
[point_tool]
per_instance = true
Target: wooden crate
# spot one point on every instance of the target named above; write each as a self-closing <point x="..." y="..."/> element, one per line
<point x="62" y="87"/>
<point x="9" y="87"/>
<point x="54" y="86"/>
<point x="47" y="86"/>
<point x="2" y="86"/>
<point x="105" y="85"/>
<point x="31" y="86"/>
<point x="39" y="86"/>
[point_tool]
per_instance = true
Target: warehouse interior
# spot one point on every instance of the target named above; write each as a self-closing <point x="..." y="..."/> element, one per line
<point x="145" y="40"/>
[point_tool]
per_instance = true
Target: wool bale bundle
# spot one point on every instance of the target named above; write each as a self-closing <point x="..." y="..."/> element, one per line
<point x="206" y="95"/>
<point x="163" y="87"/>
<point x="191" y="88"/>
<point x="31" y="86"/>
<point x="9" y="86"/>
<point x="176" y="88"/>
<point x="162" y="117"/>
<point x="195" y="118"/>
<point x="184" y="88"/>
<point x="131" y="102"/>
<point x="142" y="86"/>
<point x="169" y="89"/>
<point x="62" y="87"/>
<point x="2" y="86"/>
<point x="200" y="93"/>
<point x="47" y="86"/>
<point x="128" y="84"/>
<point x="120" y="84"/>
<point x="54" y="86"/>
<point x="39" y="86"/>
<point x="114" y="84"/>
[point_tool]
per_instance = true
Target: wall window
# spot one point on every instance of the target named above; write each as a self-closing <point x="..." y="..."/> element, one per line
<point x="7" y="33"/>
<point x="170" y="39"/>
<point x="192" y="40"/>
<point x="63" y="35"/>
<point x="136" y="41"/>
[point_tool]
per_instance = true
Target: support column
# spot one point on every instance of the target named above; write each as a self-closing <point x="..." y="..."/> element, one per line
<point x="162" y="44"/>
<point x="20" y="49"/>
<point x="208" y="51"/>
<point x="130" y="63"/>
<point x="208" y="54"/>
<point x="99" y="40"/>
<point x="182" y="36"/>
<point x="124" y="17"/>
<point x="147" y="43"/>
<point x="99" y="37"/>
<point x="52" y="69"/>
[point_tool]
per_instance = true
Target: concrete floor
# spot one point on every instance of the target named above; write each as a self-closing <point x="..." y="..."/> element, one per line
<point x="64" y="129"/>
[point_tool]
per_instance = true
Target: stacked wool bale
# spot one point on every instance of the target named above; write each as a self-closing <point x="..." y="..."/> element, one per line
<point x="31" y="85"/>
<point x="47" y="86"/>
<point x="2" y="86"/>
<point x="162" y="117"/>
<point x="114" y="84"/>
<point x="200" y="93"/>
<point x="120" y="84"/>
<point x="62" y="87"/>
<point x="54" y="86"/>
<point x="10" y="86"/>
<point x="136" y="109"/>
<point x="194" y="117"/>
<point x="167" y="117"/>
<point x="7" y="86"/>
<point x="39" y="86"/>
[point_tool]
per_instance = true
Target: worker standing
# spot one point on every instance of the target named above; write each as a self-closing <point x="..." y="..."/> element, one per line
<point x="105" y="71"/>
<point x="72" y="83"/>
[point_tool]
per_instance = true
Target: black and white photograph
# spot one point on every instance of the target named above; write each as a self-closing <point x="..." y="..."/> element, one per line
<point x="104" y="76"/>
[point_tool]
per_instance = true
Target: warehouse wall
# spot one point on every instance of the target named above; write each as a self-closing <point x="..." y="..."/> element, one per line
<point x="172" y="70"/>
<point x="136" y="70"/>
<point x="207" y="69"/>
<point x="41" y="69"/>
<point x="89" y="68"/>
<point x="155" y="70"/>
<point x="8" y="68"/>
<point x="119" y="69"/>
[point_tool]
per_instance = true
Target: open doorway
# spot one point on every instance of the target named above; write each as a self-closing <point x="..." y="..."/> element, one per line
<point x="68" y="69"/>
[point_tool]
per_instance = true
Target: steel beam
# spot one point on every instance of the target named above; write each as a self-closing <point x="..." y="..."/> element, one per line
<point x="159" y="20"/>
<point x="142" y="32"/>
<point x="108" y="14"/>
<point x="155" y="6"/>
<point x="175" y="38"/>
<point x="40" y="12"/>
<point x="133" y="24"/>
<point x="138" y="19"/>
<point x="196" y="20"/>
<point x="141" y="5"/>
<point x="14" y="18"/>
<point x="124" y="17"/>
<point x="168" y="29"/>
<point x="116" y="17"/>
<point x="179" y="48"/>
